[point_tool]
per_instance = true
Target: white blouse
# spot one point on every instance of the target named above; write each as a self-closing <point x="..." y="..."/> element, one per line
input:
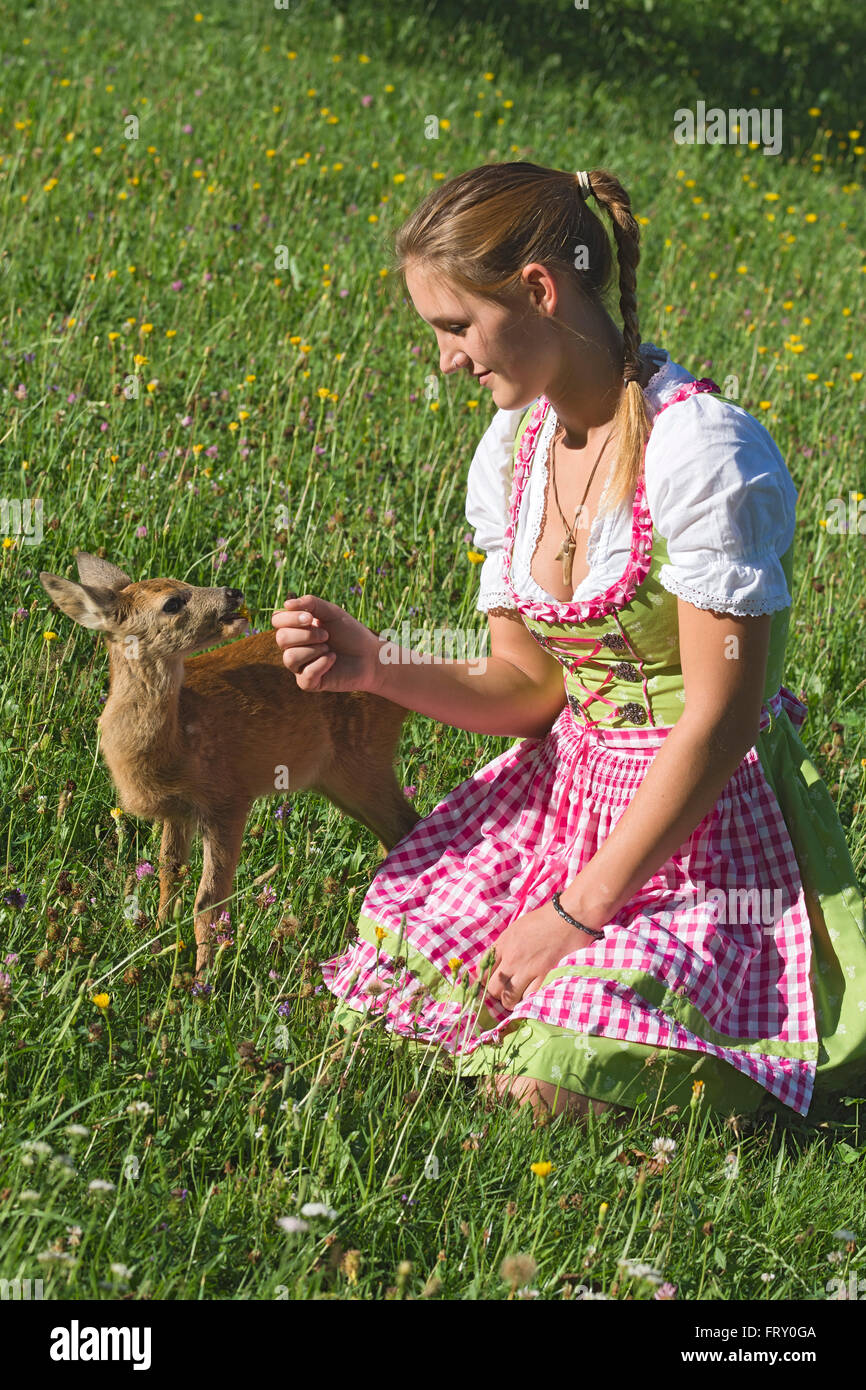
<point x="717" y="488"/>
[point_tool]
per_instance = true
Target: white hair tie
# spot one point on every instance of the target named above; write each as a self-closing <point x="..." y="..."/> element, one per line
<point x="583" y="181"/>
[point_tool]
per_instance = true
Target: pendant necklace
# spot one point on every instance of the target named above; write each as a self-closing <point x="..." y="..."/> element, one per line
<point x="569" y="545"/>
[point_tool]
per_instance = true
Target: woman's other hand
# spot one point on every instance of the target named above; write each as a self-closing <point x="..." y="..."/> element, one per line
<point x="529" y="949"/>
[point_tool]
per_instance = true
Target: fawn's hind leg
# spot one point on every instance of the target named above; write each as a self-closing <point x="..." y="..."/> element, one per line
<point x="371" y="795"/>
<point x="173" y="856"/>
<point x="222" y="835"/>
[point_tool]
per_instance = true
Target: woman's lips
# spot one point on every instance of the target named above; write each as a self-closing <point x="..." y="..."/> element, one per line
<point x="484" y="378"/>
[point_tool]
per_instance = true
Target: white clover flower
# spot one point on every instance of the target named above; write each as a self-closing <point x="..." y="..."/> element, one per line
<point x="732" y="1165"/>
<point x="36" y="1146"/>
<point x="28" y="1195"/>
<point x="122" y="1271"/>
<point x="49" y="1256"/>
<point x="100" y="1185"/>
<point x="78" y="1131"/>
<point x="844" y="1235"/>
<point x="664" y="1149"/>
<point x="591" y="1294"/>
<point x="317" y="1209"/>
<point x="139" y="1107"/>
<point x="292" y="1223"/>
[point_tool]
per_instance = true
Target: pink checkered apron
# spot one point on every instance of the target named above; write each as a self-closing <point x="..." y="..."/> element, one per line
<point x="671" y="972"/>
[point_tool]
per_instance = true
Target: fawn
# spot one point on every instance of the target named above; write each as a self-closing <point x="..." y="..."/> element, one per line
<point x="193" y="742"/>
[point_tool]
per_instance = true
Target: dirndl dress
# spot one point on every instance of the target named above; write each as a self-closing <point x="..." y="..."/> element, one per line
<point x="740" y="963"/>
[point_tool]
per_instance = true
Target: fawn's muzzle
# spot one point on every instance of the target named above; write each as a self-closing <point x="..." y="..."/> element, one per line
<point x="234" y="600"/>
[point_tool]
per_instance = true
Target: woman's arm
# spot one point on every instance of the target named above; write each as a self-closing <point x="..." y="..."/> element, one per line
<point x="516" y="692"/>
<point x="724" y="665"/>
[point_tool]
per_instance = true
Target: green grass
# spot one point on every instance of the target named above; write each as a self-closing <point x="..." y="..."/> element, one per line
<point x="341" y="480"/>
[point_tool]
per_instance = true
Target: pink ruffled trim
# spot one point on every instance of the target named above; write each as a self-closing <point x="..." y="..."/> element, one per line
<point x="622" y="591"/>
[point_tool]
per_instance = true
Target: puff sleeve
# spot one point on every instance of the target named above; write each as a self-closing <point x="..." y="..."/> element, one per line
<point x="719" y="492"/>
<point x="488" y="490"/>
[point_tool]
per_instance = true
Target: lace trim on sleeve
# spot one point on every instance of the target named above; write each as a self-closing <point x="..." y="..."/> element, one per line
<point x="752" y="607"/>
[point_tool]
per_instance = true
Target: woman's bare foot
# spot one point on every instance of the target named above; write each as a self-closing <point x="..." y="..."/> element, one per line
<point x="544" y="1097"/>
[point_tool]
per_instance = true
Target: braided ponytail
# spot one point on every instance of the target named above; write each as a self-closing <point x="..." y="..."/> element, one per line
<point x="631" y="421"/>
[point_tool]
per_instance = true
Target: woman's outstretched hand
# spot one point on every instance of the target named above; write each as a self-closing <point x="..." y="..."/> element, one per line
<point x="527" y="950"/>
<point x="325" y="647"/>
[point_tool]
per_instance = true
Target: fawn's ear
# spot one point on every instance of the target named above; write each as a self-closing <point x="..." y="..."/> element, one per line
<point x="90" y="606"/>
<point x="99" y="573"/>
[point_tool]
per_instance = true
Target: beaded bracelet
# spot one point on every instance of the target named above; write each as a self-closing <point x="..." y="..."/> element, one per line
<point x="590" y="931"/>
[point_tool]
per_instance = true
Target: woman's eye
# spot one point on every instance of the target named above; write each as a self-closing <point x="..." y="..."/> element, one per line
<point x="458" y="328"/>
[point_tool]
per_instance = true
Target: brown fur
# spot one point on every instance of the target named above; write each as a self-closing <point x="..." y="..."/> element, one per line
<point x="192" y="741"/>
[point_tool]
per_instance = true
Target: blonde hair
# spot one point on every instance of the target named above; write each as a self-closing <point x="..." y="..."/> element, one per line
<point x="482" y="227"/>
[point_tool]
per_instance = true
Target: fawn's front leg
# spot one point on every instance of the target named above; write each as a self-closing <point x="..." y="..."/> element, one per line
<point x="222" y="834"/>
<point x="173" y="856"/>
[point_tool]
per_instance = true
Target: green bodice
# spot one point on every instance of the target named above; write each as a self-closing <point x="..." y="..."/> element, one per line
<point x="629" y="673"/>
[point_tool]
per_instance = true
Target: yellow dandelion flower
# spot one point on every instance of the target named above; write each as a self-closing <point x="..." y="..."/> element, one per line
<point x="856" y="376"/>
<point x="765" y="405"/>
<point x="116" y="812"/>
<point x="381" y="933"/>
<point x="49" y="636"/>
<point x="475" y="557"/>
<point x="101" y="1001"/>
<point x="542" y="1170"/>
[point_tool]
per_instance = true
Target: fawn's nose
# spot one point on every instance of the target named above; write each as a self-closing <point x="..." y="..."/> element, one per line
<point x="233" y="595"/>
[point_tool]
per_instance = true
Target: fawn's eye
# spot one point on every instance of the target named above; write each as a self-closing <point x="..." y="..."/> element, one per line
<point x="173" y="605"/>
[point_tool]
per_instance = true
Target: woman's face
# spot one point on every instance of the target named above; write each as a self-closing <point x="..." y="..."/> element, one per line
<point x="511" y="347"/>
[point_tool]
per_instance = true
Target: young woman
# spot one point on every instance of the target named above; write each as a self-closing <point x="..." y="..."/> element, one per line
<point x="649" y="896"/>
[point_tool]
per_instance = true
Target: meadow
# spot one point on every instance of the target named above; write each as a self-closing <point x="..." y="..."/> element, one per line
<point x="209" y="371"/>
